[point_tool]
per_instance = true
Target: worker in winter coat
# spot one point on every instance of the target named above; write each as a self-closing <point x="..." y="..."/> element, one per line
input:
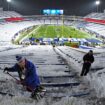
<point x="27" y="73"/>
<point x="88" y="60"/>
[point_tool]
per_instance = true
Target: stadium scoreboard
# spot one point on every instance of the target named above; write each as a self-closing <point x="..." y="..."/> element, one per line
<point x="53" y="12"/>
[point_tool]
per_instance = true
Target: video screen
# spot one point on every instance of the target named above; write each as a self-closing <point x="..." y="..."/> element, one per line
<point x="53" y="12"/>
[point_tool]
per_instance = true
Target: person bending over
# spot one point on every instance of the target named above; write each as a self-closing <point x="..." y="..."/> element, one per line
<point x="27" y="74"/>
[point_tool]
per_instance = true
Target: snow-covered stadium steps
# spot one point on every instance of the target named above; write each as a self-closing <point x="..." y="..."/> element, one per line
<point x="48" y="61"/>
<point x="50" y="64"/>
<point x="74" y="56"/>
<point x="96" y="75"/>
<point x="56" y="79"/>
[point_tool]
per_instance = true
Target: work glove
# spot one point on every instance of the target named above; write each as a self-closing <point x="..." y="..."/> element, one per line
<point x="6" y="69"/>
<point x="20" y="82"/>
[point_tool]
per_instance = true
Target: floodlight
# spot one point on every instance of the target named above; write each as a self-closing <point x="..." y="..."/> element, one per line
<point x="8" y="1"/>
<point x="97" y="2"/>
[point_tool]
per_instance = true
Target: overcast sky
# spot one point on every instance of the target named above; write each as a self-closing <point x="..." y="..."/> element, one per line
<point x="71" y="7"/>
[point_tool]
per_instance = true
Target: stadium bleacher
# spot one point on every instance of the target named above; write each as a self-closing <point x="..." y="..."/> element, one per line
<point x="96" y="15"/>
<point x="8" y="14"/>
<point x="95" y="23"/>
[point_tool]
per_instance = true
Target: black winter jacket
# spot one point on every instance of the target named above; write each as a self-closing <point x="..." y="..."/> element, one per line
<point x="88" y="58"/>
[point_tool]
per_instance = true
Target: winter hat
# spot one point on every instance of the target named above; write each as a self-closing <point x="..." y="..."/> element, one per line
<point x="91" y="51"/>
<point x="19" y="58"/>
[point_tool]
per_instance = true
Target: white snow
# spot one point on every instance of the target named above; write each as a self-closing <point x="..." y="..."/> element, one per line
<point x="45" y="60"/>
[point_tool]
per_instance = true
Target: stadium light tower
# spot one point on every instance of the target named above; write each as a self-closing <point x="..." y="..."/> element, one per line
<point x="97" y="4"/>
<point x="8" y="1"/>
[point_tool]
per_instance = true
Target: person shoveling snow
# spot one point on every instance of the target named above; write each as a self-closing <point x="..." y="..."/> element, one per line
<point x="27" y="74"/>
